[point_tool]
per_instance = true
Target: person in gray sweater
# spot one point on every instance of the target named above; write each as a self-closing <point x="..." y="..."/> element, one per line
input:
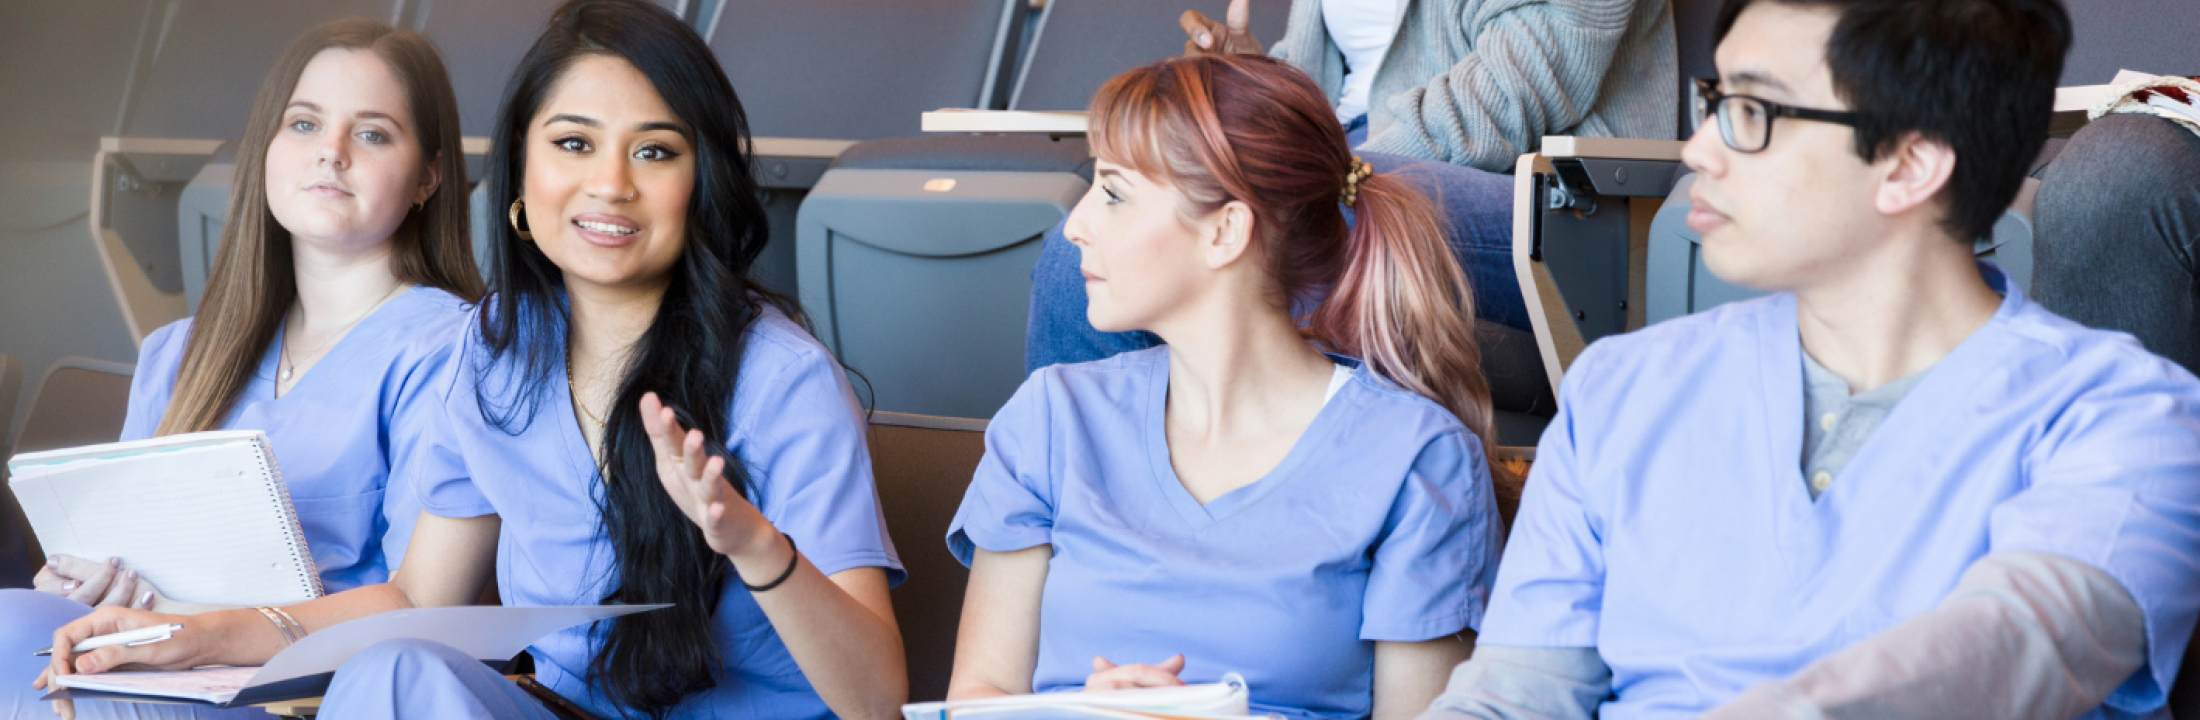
<point x="1480" y="82"/>
<point x="1449" y="92"/>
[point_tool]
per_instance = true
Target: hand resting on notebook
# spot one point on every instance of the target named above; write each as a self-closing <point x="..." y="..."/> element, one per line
<point x="107" y="583"/>
<point x="92" y="582"/>
<point x="1110" y="676"/>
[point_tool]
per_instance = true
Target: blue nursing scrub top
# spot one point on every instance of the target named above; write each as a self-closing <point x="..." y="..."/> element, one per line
<point x="1378" y="525"/>
<point x="797" y="430"/>
<point x="1667" y="524"/>
<point x="337" y="432"/>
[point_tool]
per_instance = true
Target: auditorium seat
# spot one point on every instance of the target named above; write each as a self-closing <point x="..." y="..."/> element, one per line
<point x="923" y="464"/>
<point x="11" y="388"/>
<point x="19" y="553"/>
<point x="80" y="401"/>
<point x="915" y="254"/>
<point x="860" y="69"/>
<point x="197" y="68"/>
<point x="198" y="78"/>
<point x="481" y="41"/>
<point x="1079" y="44"/>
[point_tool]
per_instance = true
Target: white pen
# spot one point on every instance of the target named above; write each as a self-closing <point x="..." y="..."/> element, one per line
<point x="140" y="636"/>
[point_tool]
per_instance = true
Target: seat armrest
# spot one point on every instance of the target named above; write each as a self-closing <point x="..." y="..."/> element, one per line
<point x="793" y="163"/>
<point x="1568" y="146"/>
<point x="972" y="153"/>
<point x="1581" y="218"/>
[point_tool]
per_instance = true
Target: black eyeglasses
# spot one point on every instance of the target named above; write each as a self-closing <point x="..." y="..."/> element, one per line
<point x="1745" y="122"/>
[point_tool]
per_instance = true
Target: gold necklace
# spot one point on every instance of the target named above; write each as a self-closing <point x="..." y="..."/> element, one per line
<point x="292" y="364"/>
<point x="576" y="394"/>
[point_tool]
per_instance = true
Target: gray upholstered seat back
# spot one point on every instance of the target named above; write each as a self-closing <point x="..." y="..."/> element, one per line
<point x="859" y="69"/>
<point x="1082" y="43"/>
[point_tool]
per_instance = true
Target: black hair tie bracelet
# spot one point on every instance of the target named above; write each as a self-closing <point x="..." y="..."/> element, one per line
<point x="794" y="557"/>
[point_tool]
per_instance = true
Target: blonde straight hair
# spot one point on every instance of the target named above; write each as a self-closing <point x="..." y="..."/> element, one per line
<point x="253" y="284"/>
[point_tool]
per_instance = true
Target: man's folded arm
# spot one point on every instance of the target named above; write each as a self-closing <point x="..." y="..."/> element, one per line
<point x="2023" y="635"/>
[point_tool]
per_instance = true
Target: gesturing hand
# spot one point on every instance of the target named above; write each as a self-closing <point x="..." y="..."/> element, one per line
<point x="1207" y="37"/>
<point x="1110" y="676"/>
<point x="696" y="480"/>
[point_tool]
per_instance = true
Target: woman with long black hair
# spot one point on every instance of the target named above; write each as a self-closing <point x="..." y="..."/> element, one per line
<point x="623" y="316"/>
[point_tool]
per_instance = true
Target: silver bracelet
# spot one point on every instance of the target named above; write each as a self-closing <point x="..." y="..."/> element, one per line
<point x="298" y="627"/>
<point x="269" y="613"/>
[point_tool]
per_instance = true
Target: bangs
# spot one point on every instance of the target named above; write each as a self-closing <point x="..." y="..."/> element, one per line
<point x="1127" y="125"/>
<point x="1136" y="114"/>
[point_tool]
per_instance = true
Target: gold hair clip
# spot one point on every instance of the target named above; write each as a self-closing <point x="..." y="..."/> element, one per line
<point x="1360" y="171"/>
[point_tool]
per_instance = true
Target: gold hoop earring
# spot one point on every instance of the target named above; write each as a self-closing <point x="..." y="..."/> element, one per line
<point x="519" y="225"/>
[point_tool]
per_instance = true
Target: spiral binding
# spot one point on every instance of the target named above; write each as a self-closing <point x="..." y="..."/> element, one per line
<point x="274" y="471"/>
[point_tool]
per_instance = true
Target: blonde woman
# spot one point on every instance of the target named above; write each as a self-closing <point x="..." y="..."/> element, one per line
<point x="344" y="270"/>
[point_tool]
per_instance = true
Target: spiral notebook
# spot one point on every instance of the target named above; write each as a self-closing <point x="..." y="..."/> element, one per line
<point x="206" y="517"/>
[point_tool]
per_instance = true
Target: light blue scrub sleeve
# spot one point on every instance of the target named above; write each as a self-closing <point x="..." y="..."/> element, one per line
<point x="1432" y="569"/>
<point x="1010" y="503"/>
<point x="155" y="379"/>
<point x="434" y="467"/>
<point x="411" y="429"/>
<point x="801" y="436"/>
<point x="2115" y="483"/>
<point x="1550" y="584"/>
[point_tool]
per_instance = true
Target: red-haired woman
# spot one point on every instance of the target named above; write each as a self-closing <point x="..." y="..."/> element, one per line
<point x="1308" y="506"/>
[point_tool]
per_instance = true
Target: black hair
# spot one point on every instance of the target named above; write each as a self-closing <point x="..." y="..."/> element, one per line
<point x="1978" y="75"/>
<point x="688" y="356"/>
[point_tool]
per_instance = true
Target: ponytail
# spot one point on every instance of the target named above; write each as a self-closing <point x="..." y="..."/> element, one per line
<point x="1402" y="305"/>
<point x="1252" y="129"/>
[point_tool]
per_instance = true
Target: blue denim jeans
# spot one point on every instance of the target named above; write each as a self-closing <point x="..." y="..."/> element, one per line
<point x="1478" y="203"/>
<point x="2118" y="234"/>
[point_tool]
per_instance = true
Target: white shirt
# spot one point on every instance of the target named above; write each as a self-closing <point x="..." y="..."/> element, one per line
<point x="1362" y="30"/>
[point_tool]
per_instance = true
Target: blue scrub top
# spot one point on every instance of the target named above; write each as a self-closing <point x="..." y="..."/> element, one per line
<point x="798" y="432"/>
<point x="1379" y="525"/>
<point x="337" y="431"/>
<point x="1666" y="522"/>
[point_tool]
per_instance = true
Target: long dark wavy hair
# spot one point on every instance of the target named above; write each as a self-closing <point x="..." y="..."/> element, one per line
<point x="688" y="356"/>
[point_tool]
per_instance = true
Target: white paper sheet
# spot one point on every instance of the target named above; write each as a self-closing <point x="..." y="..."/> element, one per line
<point x="484" y="632"/>
<point x="1226" y="699"/>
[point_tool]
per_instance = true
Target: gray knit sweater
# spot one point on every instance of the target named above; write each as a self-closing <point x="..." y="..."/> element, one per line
<point x="1479" y="82"/>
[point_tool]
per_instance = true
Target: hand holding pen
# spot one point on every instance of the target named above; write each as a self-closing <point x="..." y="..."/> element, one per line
<point x="130" y="638"/>
<point x="69" y="656"/>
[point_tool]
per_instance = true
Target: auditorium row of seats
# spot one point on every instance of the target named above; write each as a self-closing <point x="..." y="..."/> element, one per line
<point x="921" y="292"/>
<point x="834" y="90"/>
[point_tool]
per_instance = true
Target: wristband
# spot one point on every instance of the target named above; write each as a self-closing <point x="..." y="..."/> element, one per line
<point x="794" y="557"/>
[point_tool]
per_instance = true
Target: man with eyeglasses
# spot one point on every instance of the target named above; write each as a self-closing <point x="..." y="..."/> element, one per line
<point x="1894" y="487"/>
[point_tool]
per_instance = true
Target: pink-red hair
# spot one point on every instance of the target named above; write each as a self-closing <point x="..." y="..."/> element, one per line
<point x="1251" y="129"/>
